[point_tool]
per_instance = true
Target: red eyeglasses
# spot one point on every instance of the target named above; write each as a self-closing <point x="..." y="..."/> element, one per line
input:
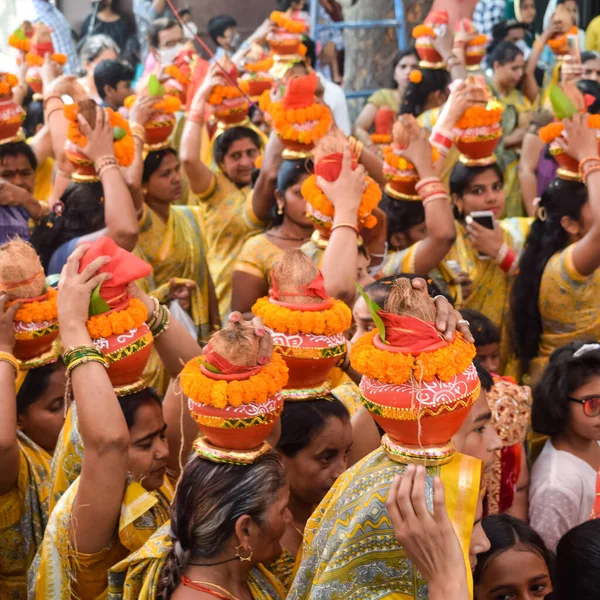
<point x="591" y="405"/>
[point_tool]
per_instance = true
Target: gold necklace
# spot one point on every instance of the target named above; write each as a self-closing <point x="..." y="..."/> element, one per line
<point x="218" y="587"/>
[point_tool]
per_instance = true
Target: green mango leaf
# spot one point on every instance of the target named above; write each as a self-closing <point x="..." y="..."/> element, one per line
<point x="210" y="367"/>
<point x="155" y="87"/>
<point x="373" y="308"/>
<point x="562" y="106"/>
<point x="20" y="34"/>
<point x="118" y="133"/>
<point x="98" y="304"/>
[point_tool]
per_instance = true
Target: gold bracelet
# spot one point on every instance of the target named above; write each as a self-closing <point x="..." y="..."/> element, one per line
<point x="156" y="313"/>
<point x="9" y="358"/>
<point x="348" y="225"/>
<point x="84" y="360"/>
<point x="138" y="131"/>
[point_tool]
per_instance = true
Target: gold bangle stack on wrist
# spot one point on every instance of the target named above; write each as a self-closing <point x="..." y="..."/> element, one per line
<point x="10" y="358"/>
<point x="105" y="163"/>
<point x="80" y="355"/>
<point x="159" y="320"/>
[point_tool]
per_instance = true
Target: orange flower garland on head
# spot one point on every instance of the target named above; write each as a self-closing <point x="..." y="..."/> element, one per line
<point x="298" y="118"/>
<point x="398" y="368"/>
<point x="123" y="144"/>
<point x="118" y="322"/>
<point x="331" y="321"/>
<point x="281" y="20"/>
<point x="257" y="389"/>
<point x="550" y="132"/>
<point x="38" y="311"/>
<point x="6" y="86"/>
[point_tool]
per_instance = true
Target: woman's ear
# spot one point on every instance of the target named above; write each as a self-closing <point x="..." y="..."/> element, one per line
<point x="458" y="202"/>
<point x="245" y="530"/>
<point x="571" y="226"/>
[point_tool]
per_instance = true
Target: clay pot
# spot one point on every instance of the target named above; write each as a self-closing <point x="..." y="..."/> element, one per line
<point x="427" y="52"/>
<point x="405" y="187"/>
<point x="11" y="118"/>
<point x="34" y="79"/>
<point x="309" y="357"/>
<point x="256" y="87"/>
<point x="426" y="415"/>
<point x="159" y="128"/>
<point x="478" y="148"/>
<point x="83" y="165"/>
<point x="283" y="43"/>
<point x="237" y="428"/>
<point x="127" y="353"/>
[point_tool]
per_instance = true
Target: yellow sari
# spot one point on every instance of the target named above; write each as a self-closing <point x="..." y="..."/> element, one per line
<point x="568" y="307"/>
<point x="349" y="548"/>
<point x="66" y="461"/>
<point x="23" y="518"/>
<point x="490" y="284"/>
<point x="137" y="577"/>
<point x="226" y="221"/>
<point x="175" y="250"/>
<point x="61" y="573"/>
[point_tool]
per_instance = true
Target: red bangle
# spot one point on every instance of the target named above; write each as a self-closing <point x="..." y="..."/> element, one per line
<point x="437" y="137"/>
<point x="509" y="259"/>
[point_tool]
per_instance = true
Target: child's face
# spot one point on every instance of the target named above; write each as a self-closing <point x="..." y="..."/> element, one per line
<point x="489" y="357"/>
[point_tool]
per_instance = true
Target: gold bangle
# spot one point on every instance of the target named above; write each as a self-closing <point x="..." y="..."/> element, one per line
<point x="9" y="358"/>
<point x="138" y="131"/>
<point x="84" y="360"/>
<point x="349" y="225"/>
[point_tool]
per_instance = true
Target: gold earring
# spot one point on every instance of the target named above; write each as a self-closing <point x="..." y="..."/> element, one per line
<point x="243" y="558"/>
<point x="279" y="209"/>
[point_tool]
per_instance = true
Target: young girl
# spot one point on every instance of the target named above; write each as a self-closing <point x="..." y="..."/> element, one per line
<point x="517" y="565"/>
<point x="566" y="407"/>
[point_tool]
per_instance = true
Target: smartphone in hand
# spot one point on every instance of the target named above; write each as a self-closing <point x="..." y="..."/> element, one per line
<point x="485" y="218"/>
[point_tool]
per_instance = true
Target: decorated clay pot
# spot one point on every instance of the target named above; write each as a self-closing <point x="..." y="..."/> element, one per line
<point x="253" y="422"/>
<point x="159" y="128"/>
<point x="309" y="357"/>
<point x="11" y="118"/>
<point x="421" y="415"/>
<point x="34" y="339"/>
<point x="563" y="159"/>
<point x="174" y="88"/>
<point x="127" y="354"/>
<point x="83" y="165"/>
<point x="34" y="79"/>
<point x="257" y="86"/>
<point x="405" y="186"/>
<point x="478" y="142"/>
<point x="426" y="51"/>
<point x="283" y="42"/>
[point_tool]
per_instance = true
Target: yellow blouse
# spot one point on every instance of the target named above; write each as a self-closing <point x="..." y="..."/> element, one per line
<point x="258" y="256"/>
<point x="569" y="307"/>
<point x="227" y="221"/>
<point x="23" y="518"/>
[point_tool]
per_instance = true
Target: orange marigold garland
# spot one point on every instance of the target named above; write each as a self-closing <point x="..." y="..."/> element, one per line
<point x="260" y="66"/>
<point x="331" y="321"/>
<point x="397" y="368"/>
<point x="281" y="20"/>
<point x="479" y="116"/>
<point x="257" y="389"/>
<point x="423" y="31"/>
<point x="38" y="311"/>
<point x="550" y="132"/>
<point x="118" y="322"/>
<point x="123" y="143"/>
<point x="285" y="121"/>
<point x="381" y="138"/>
<point x="313" y="194"/>
<point x="10" y="82"/>
<point x="558" y="44"/>
<point x="178" y="75"/>
<point x="401" y="164"/>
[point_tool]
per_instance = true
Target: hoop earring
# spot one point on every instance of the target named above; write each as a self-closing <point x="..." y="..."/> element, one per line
<point x="243" y="558"/>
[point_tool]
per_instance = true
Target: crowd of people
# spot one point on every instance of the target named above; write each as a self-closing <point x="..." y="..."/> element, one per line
<point x="252" y="350"/>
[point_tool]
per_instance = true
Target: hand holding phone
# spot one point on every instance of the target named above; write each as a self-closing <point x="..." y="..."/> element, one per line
<point x="485" y="218"/>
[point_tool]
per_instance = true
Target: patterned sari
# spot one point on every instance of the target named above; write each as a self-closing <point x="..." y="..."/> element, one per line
<point x="23" y="518"/>
<point x="58" y="570"/>
<point x="137" y="577"/>
<point x="350" y="550"/>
